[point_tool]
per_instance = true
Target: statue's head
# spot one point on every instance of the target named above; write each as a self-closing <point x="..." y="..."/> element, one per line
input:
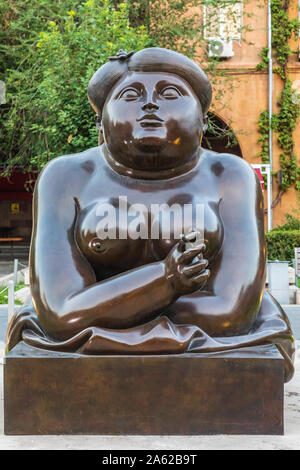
<point x="151" y="107"/>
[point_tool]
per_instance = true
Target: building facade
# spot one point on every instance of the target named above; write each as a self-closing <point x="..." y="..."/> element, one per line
<point x="248" y="94"/>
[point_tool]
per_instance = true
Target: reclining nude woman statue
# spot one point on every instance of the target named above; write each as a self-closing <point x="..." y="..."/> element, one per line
<point x="131" y="289"/>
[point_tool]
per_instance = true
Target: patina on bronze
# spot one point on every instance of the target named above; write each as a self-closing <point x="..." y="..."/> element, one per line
<point x="155" y="296"/>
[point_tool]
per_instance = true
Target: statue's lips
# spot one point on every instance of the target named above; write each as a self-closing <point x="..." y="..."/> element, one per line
<point x="150" y="120"/>
<point x="151" y="124"/>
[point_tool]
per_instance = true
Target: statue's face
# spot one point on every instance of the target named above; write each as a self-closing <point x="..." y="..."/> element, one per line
<point x="152" y="121"/>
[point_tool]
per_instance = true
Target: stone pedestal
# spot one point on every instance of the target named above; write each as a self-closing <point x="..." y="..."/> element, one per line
<point x="237" y="392"/>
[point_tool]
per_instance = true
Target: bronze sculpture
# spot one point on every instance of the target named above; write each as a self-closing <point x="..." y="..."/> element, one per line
<point x="125" y="295"/>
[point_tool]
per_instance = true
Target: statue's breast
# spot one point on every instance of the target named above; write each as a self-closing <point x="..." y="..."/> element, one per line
<point x="116" y="236"/>
<point x="198" y="215"/>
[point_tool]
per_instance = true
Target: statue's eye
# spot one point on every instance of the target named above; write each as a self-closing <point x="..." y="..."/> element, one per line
<point x="130" y="94"/>
<point x="170" y="93"/>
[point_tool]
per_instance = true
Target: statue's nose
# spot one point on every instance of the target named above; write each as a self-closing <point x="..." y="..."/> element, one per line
<point x="150" y="105"/>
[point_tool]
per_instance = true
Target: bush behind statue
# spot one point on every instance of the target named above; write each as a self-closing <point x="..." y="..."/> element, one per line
<point x="281" y="244"/>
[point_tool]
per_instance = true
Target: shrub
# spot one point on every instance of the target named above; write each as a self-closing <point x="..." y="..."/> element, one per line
<point x="281" y="244"/>
<point x="292" y="223"/>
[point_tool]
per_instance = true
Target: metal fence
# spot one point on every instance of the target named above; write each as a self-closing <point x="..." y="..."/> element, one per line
<point x="10" y="288"/>
<point x="297" y="263"/>
<point x="10" y="298"/>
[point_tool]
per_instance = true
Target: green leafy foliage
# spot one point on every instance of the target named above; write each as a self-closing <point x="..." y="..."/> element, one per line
<point x="48" y="112"/>
<point x="4" y="293"/>
<point x="284" y="122"/>
<point x="263" y="127"/>
<point x="282" y="29"/>
<point x="281" y="244"/>
<point x="21" y="22"/>
<point x="292" y="223"/>
<point x="263" y="65"/>
<point x="282" y="240"/>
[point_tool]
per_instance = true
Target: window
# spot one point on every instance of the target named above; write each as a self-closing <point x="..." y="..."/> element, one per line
<point x="225" y="21"/>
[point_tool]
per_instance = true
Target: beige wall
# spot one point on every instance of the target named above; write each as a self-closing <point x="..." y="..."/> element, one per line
<point x="249" y="97"/>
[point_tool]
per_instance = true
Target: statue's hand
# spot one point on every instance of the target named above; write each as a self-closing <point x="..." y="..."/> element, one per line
<point x="186" y="269"/>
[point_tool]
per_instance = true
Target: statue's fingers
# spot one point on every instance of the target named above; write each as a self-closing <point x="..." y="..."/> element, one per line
<point x="188" y="255"/>
<point x="181" y="245"/>
<point x="193" y="236"/>
<point x="202" y="277"/>
<point x="195" y="268"/>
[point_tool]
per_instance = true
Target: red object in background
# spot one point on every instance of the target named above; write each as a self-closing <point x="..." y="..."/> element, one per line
<point x="262" y="183"/>
<point x="13" y="188"/>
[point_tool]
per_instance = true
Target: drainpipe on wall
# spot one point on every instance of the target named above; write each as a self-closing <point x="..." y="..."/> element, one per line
<point x="270" y="111"/>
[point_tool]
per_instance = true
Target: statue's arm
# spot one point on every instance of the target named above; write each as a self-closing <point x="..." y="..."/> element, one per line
<point x="230" y="304"/>
<point x="66" y="294"/>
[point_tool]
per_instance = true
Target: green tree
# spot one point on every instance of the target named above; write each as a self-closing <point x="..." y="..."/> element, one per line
<point x="21" y="22"/>
<point x="48" y="112"/>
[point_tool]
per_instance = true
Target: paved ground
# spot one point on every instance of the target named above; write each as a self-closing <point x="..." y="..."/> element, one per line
<point x="293" y="312"/>
<point x="291" y="439"/>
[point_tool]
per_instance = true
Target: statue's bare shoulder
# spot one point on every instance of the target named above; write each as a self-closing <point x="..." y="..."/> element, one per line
<point x="68" y="173"/>
<point x="232" y="171"/>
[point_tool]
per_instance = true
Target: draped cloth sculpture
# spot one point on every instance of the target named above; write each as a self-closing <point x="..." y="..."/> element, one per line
<point x="131" y="289"/>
